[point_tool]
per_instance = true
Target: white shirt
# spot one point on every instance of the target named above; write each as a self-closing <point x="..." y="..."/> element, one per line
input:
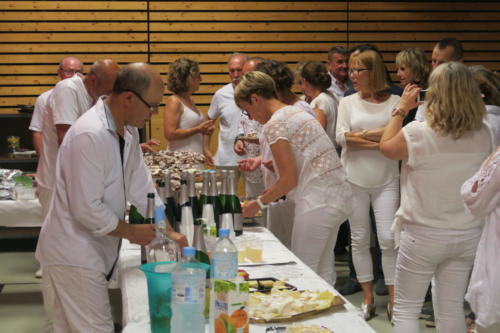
<point x="335" y="87"/>
<point x="194" y="143"/>
<point x="419" y="116"/>
<point x="39" y="112"/>
<point x="249" y="126"/>
<point x="67" y="102"/>
<point x="365" y="168"/>
<point x="224" y="106"/>
<point x="433" y="173"/>
<point x="91" y="193"/>
<point x="493" y="120"/>
<point x="484" y="291"/>
<point x="329" y="104"/>
<point x="321" y="178"/>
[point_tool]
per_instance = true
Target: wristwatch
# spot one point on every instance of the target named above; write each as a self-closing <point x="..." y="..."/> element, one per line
<point x="398" y="112"/>
<point x="260" y="203"/>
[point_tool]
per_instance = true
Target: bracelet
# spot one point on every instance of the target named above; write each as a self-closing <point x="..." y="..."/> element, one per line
<point x="260" y="203"/>
<point x="398" y="112"/>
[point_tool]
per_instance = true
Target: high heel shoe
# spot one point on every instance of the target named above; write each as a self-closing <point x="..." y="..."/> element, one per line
<point x="368" y="310"/>
<point x="390" y="313"/>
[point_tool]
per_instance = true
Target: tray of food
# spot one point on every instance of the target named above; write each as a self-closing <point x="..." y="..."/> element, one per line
<point x="265" y="285"/>
<point x="298" y="328"/>
<point x="252" y="137"/>
<point x="281" y="306"/>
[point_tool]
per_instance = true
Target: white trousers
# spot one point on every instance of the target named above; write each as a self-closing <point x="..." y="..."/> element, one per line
<point x="280" y="217"/>
<point x="446" y="258"/>
<point x="44" y="196"/>
<point x="385" y="202"/>
<point x="76" y="300"/>
<point x="313" y="238"/>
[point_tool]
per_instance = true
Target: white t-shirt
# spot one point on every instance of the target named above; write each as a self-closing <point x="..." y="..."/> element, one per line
<point x="250" y="126"/>
<point x="194" y="143"/>
<point x="493" y="120"/>
<point x="433" y="173"/>
<point x="365" y="168"/>
<point x="39" y="112"/>
<point x="321" y="179"/>
<point x="224" y="106"/>
<point x="91" y="193"/>
<point x="329" y="104"/>
<point x="68" y="101"/>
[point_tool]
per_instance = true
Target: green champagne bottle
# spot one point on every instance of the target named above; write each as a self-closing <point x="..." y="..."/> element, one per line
<point x="233" y="205"/>
<point x="214" y="199"/>
<point x="192" y="197"/>
<point x="171" y="212"/>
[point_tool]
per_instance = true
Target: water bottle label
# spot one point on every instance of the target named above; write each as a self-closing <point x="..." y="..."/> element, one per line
<point x="225" y="266"/>
<point x="189" y="294"/>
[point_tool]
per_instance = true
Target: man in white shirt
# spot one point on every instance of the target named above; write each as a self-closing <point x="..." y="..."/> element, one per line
<point x="67" y="68"/>
<point x="224" y="107"/>
<point x="68" y="101"/>
<point x="337" y="68"/>
<point x="99" y="169"/>
<point x="446" y="50"/>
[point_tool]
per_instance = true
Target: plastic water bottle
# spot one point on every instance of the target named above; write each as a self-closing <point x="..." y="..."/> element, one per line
<point x="188" y="294"/>
<point x="224" y="263"/>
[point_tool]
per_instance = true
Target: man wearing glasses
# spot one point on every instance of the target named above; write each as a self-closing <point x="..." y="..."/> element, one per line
<point x="99" y="169"/>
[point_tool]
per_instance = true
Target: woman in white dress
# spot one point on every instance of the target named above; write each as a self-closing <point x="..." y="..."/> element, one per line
<point x="374" y="178"/>
<point x="437" y="236"/>
<point x="314" y="82"/>
<point x="308" y="169"/>
<point x="184" y="125"/>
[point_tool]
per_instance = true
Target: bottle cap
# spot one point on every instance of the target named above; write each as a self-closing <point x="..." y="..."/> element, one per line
<point x="188" y="251"/>
<point x="223" y="232"/>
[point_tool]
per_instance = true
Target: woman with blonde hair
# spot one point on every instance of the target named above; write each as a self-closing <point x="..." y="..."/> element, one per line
<point x="489" y="84"/>
<point x="308" y="168"/>
<point x="412" y="67"/>
<point x="437" y="236"/>
<point x="373" y="177"/>
<point x="184" y="125"/>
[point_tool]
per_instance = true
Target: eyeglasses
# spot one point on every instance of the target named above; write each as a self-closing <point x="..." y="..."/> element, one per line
<point x="357" y="70"/>
<point x="70" y="71"/>
<point x="153" y="108"/>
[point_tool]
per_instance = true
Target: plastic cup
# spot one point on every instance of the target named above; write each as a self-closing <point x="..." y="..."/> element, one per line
<point x="159" y="279"/>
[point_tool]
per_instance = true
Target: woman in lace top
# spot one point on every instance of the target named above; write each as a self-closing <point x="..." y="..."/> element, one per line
<point x="185" y="126"/>
<point x="438" y="237"/>
<point x="308" y="168"/>
<point x="481" y="195"/>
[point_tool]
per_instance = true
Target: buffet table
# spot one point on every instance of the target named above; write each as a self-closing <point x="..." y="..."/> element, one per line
<point x="135" y="299"/>
<point x="22" y="213"/>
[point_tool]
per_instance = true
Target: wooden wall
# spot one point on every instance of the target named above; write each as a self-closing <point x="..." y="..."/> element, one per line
<point x="34" y="35"/>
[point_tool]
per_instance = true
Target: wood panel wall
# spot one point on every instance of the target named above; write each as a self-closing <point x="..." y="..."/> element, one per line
<point x="35" y="35"/>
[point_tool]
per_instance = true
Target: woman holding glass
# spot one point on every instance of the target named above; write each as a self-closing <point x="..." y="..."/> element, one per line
<point x="373" y="177"/>
<point x="184" y="126"/>
<point x="437" y="236"/>
<point x="308" y="168"/>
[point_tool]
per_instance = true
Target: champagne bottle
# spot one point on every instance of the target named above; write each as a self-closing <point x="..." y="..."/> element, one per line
<point x="171" y="211"/>
<point x="204" y="199"/>
<point x="223" y="188"/>
<point x="199" y="243"/>
<point x="233" y="205"/>
<point x="150" y="219"/>
<point x="214" y="199"/>
<point x="192" y="197"/>
<point x="187" y="222"/>
<point x="134" y="217"/>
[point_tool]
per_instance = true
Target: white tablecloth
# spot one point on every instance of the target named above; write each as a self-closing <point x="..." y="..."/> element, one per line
<point x="23" y="213"/>
<point x="135" y="300"/>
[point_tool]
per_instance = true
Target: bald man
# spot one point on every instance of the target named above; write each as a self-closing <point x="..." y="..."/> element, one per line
<point x="100" y="168"/>
<point x="68" y="101"/>
<point x="68" y="67"/>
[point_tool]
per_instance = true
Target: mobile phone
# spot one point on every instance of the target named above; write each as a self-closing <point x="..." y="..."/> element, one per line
<point x="421" y="95"/>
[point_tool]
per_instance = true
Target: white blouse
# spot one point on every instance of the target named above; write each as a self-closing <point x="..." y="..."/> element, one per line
<point x="329" y="104"/>
<point x="484" y="290"/>
<point x="433" y="173"/>
<point x="365" y="168"/>
<point x="321" y="179"/>
<point x="194" y="143"/>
